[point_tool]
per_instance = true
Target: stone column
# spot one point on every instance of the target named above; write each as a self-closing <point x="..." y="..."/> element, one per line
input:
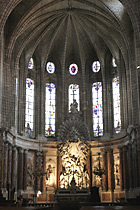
<point x="130" y="169"/>
<point x="59" y="168"/>
<point x="108" y="101"/>
<point x="9" y="166"/>
<point x="38" y="165"/>
<point x="125" y="168"/>
<point x="25" y="170"/>
<point x="1" y="158"/>
<point x="9" y="171"/>
<point x="20" y="169"/>
<point x="105" y="181"/>
<point x="138" y="151"/>
<point x="121" y="169"/>
<point x="44" y="169"/>
<point x="14" y="172"/>
<point x="21" y="95"/>
<point x="5" y="163"/>
<point x="135" y="165"/>
<point x="110" y="170"/>
<point x="111" y="180"/>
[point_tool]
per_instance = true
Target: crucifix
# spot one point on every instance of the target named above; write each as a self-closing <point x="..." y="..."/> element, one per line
<point x="73" y="94"/>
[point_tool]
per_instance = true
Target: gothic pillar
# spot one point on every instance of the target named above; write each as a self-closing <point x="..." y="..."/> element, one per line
<point x="138" y="151"/>
<point x="125" y="168"/>
<point x="137" y="166"/>
<point x="1" y="158"/>
<point x="105" y="183"/>
<point x="44" y="169"/>
<point x="121" y="169"/>
<point x="25" y="170"/>
<point x="9" y="166"/>
<point x="20" y="169"/>
<point x="110" y="170"/>
<point x="5" y="163"/>
<point x="14" y="169"/>
<point x="59" y="168"/>
<point x="38" y="165"/>
<point x="131" y="175"/>
<point x="108" y="101"/>
<point x="134" y="149"/>
<point x="21" y="95"/>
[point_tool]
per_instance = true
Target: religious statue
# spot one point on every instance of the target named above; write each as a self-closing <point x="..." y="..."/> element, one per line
<point x="74" y="106"/>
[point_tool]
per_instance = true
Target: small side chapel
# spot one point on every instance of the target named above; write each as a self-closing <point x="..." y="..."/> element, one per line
<point x="70" y="100"/>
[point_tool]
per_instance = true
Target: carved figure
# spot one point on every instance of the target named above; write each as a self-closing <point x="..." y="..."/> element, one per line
<point x="74" y="106"/>
<point x="74" y="159"/>
<point x="50" y="174"/>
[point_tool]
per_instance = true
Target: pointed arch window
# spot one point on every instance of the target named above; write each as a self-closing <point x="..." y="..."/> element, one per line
<point x="50" y="110"/>
<point x="116" y="104"/>
<point x="114" y="62"/>
<point x="31" y="63"/>
<point x="29" y="113"/>
<point x="74" y="95"/>
<point x="97" y="109"/>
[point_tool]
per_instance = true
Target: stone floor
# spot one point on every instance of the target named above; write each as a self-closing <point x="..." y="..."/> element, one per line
<point x="110" y="208"/>
<point x="83" y="208"/>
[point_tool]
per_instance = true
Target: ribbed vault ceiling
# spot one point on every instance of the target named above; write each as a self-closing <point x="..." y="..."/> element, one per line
<point x="69" y="30"/>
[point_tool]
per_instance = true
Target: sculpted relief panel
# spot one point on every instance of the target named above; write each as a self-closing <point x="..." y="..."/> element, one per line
<point x="74" y="164"/>
<point x="30" y="169"/>
<point x="50" y="172"/>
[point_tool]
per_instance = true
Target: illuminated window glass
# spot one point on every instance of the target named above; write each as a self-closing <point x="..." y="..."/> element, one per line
<point x="73" y="69"/>
<point x="29" y="106"/>
<point x="116" y="104"/>
<point x="31" y="64"/>
<point x="114" y="62"/>
<point x="50" y="67"/>
<point x="50" y="110"/>
<point x="74" y="95"/>
<point x="96" y="66"/>
<point x="97" y="109"/>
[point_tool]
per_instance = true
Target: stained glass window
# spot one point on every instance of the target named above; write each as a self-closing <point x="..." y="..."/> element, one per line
<point x="29" y="106"/>
<point x="97" y="109"/>
<point x="114" y="62"/>
<point x="73" y="69"/>
<point x="50" y="67"/>
<point x="50" y="110"/>
<point x="96" y="66"/>
<point x="74" y="95"/>
<point x="116" y="104"/>
<point x="31" y="64"/>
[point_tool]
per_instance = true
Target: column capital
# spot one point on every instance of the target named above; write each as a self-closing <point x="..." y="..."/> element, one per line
<point x="109" y="150"/>
<point x="26" y="151"/>
<point x="10" y="147"/>
<point x="125" y="148"/>
<point x="103" y="150"/>
<point x="120" y="148"/>
<point x="6" y="144"/>
<point x="14" y="148"/>
<point x="20" y="149"/>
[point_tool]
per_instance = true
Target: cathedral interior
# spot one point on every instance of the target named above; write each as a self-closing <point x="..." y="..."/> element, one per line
<point x="69" y="99"/>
